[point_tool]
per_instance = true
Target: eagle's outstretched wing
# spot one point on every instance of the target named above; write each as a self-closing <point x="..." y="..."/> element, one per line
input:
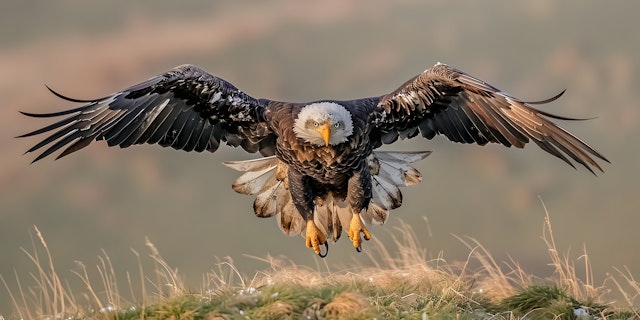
<point x="185" y="108"/>
<point x="444" y="100"/>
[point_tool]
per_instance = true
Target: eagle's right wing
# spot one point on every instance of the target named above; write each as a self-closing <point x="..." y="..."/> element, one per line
<point x="444" y="100"/>
<point x="185" y="108"/>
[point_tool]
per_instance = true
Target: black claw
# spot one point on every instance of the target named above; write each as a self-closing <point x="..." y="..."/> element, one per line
<point x="359" y="248"/>
<point x="326" y="250"/>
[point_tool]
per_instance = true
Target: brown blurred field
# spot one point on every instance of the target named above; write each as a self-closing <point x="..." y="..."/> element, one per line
<point x="112" y="199"/>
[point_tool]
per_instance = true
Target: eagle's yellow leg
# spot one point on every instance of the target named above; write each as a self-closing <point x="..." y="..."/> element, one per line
<point x="315" y="237"/>
<point x="355" y="227"/>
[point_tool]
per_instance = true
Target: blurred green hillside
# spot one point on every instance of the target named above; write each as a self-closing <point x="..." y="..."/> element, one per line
<point x="111" y="199"/>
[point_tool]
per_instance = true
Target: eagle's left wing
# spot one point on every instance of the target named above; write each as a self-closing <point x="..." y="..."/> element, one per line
<point x="444" y="100"/>
<point x="185" y="108"/>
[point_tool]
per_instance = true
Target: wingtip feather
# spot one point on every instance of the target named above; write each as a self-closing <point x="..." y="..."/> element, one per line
<point x="545" y="101"/>
<point x="61" y="96"/>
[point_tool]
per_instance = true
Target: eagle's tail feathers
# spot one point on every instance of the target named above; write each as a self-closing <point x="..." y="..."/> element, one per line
<point x="375" y="214"/>
<point x="270" y="198"/>
<point x="389" y="170"/>
<point x="289" y="220"/>
<point x="260" y="178"/>
<point x="331" y="216"/>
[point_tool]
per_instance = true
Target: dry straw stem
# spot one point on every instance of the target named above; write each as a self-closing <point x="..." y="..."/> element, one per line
<point x="564" y="268"/>
<point x="49" y="297"/>
<point x="629" y="288"/>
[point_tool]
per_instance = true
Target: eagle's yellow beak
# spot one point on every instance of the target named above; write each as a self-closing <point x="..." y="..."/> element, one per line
<point x="325" y="132"/>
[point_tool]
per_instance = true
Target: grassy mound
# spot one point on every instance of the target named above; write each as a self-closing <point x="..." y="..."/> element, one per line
<point x="403" y="284"/>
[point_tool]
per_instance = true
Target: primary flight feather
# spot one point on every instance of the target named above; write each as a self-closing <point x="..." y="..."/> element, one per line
<point x="320" y="169"/>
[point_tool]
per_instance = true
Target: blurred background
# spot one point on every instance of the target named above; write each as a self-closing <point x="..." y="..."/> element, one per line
<point x="111" y="199"/>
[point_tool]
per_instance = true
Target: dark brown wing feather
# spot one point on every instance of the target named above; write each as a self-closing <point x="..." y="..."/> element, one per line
<point x="185" y="108"/>
<point x="444" y="100"/>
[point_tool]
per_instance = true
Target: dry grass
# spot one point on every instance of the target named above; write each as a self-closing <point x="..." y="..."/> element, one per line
<point x="403" y="283"/>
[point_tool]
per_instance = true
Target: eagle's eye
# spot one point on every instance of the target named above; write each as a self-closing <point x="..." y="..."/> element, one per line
<point x="316" y="124"/>
<point x="336" y="125"/>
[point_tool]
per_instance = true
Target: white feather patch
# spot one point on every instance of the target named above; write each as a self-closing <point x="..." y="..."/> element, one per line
<point x="386" y="194"/>
<point x="252" y="182"/>
<point x="395" y="166"/>
<point x="253" y="164"/>
<point x="257" y="173"/>
<point x="402" y="157"/>
<point x="389" y="171"/>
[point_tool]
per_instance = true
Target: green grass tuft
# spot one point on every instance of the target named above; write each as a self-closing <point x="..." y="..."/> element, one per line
<point x="550" y="302"/>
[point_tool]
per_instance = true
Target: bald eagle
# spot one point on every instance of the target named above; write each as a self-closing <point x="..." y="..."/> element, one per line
<point x="320" y="169"/>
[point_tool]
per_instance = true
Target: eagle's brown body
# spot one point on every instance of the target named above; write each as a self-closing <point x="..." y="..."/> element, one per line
<point x="314" y="176"/>
<point x="315" y="172"/>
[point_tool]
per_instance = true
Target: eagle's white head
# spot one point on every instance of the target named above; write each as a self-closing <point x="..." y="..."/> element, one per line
<point x="323" y="124"/>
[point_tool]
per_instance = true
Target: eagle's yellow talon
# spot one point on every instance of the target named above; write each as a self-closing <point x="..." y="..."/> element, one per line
<point x="355" y="228"/>
<point x="315" y="238"/>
